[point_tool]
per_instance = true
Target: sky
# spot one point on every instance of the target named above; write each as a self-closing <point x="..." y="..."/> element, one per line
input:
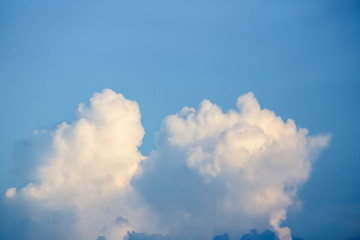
<point x="183" y="131"/>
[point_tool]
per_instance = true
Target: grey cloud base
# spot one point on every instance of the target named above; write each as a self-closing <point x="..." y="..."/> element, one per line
<point x="212" y="172"/>
<point x="252" y="235"/>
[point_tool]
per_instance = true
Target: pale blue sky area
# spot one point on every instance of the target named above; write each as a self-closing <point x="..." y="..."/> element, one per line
<point x="300" y="58"/>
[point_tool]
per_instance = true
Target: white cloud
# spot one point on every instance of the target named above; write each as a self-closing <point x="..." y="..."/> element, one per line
<point x="252" y="158"/>
<point x="213" y="172"/>
<point x="89" y="166"/>
<point x="11" y="192"/>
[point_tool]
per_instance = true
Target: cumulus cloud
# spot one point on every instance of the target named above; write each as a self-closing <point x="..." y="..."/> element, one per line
<point x="212" y="172"/>
<point x="254" y="235"/>
<point x="86" y="170"/>
<point x="230" y="171"/>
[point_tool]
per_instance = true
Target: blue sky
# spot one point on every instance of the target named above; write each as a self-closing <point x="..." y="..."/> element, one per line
<point x="300" y="58"/>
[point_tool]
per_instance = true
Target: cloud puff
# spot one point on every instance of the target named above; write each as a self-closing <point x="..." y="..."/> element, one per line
<point x="212" y="172"/>
<point x="254" y="235"/>
<point x="86" y="170"/>
<point x="230" y="171"/>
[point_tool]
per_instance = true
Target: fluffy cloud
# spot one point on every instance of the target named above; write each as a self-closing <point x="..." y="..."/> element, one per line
<point x="86" y="171"/>
<point x="212" y="172"/>
<point x="230" y="171"/>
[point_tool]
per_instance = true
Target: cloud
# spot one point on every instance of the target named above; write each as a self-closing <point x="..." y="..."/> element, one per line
<point x="229" y="172"/>
<point x="254" y="235"/>
<point x="266" y="235"/>
<point x="86" y="170"/>
<point x="144" y="236"/>
<point x="225" y="236"/>
<point x="212" y="172"/>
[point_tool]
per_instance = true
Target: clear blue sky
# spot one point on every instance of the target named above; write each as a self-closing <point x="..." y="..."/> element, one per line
<point x="300" y="58"/>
